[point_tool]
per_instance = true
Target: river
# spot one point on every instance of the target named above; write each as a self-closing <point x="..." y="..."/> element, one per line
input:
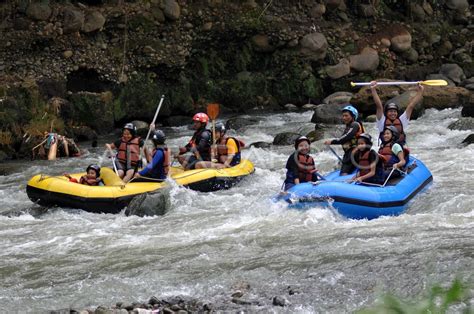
<point x="208" y="245"/>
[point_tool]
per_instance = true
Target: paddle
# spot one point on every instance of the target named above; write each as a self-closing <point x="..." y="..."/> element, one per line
<point x="427" y="82"/>
<point x="152" y="123"/>
<point x="335" y="154"/>
<point x="213" y="112"/>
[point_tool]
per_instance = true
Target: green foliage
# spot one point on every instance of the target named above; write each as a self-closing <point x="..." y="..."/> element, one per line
<point x="439" y="301"/>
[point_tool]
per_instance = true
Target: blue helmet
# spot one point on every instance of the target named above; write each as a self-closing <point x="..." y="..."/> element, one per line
<point x="352" y="110"/>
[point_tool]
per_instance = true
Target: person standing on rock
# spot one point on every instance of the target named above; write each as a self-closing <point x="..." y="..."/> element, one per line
<point x="390" y="114"/>
<point x="348" y="139"/>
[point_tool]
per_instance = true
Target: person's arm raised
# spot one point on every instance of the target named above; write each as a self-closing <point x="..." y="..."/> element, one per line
<point x="418" y="97"/>
<point x="378" y="102"/>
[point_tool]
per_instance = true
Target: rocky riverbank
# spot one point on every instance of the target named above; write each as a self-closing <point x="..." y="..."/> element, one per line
<point x="86" y="67"/>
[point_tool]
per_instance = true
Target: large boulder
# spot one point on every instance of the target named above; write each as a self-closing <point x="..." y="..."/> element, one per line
<point x="444" y="97"/>
<point x="93" y="21"/>
<point x="453" y="72"/>
<point x="172" y="10"/>
<point x="462" y="124"/>
<point x="401" y="41"/>
<point x="328" y="113"/>
<point x="457" y="5"/>
<point x="469" y="139"/>
<point x="367" y="61"/>
<point x="261" y="43"/>
<point x="285" y="138"/>
<point x="468" y="106"/>
<point x="40" y="11"/>
<point x="73" y="20"/>
<point x="338" y="98"/>
<point x="237" y="123"/>
<point x="339" y="70"/>
<point x="314" y="46"/>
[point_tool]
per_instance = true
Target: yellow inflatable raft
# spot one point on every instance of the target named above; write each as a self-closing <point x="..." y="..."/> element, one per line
<point x="115" y="195"/>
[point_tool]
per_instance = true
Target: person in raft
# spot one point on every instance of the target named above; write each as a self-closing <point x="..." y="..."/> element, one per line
<point x="391" y="152"/>
<point x="228" y="150"/>
<point x="390" y="114"/>
<point x="348" y="139"/>
<point x="369" y="164"/>
<point x="92" y="177"/>
<point x="199" y="146"/>
<point x="300" y="165"/>
<point x="158" y="168"/>
<point x="128" y="152"/>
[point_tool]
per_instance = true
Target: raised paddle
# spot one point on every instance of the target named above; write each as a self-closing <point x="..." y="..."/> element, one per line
<point x="213" y="112"/>
<point x="428" y="82"/>
<point x="152" y="123"/>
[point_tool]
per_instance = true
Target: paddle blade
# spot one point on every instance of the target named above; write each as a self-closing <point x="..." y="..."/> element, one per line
<point x="213" y="111"/>
<point x="435" y="82"/>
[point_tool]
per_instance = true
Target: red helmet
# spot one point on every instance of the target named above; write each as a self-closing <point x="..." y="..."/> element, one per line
<point x="201" y="117"/>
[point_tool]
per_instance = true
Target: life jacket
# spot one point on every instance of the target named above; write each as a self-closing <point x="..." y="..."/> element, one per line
<point x="196" y="139"/>
<point x="129" y="152"/>
<point x="92" y="182"/>
<point x="223" y="151"/>
<point x="388" y="158"/>
<point x="352" y="143"/>
<point x="166" y="159"/>
<point x="398" y="124"/>
<point x="364" y="165"/>
<point x="306" y="168"/>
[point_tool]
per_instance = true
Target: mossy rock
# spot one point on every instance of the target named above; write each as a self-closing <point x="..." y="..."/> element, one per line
<point x="91" y="109"/>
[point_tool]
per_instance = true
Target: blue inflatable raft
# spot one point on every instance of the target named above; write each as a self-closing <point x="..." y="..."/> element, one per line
<point x="359" y="200"/>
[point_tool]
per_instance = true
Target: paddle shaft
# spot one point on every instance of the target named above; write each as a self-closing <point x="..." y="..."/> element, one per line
<point x="156" y="115"/>
<point x="334" y="152"/>
<point x="428" y="82"/>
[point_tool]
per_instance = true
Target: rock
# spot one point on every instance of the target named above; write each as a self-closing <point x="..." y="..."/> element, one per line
<point x="3" y="156"/>
<point x="262" y="43"/>
<point x="67" y="54"/>
<point x="237" y="294"/>
<point x="93" y="21"/>
<point x="339" y="70"/>
<point x="237" y="123"/>
<point x="468" y="81"/>
<point x="142" y="127"/>
<point x="463" y="124"/>
<point x="318" y="10"/>
<point x="328" y="113"/>
<point x="468" y="106"/>
<point x="150" y="204"/>
<point x="279" y="301"/>
<point x="103" y="310"/>
<point x="371" y="118"/>
<point x="315" y="135"/>
<point x="291" y="107"/>
<point x="309" y="107"/>
<point x="411" y="55"/>
<point x="40" y="11"/>
<point x="453" y="72"/>
<point x="178" y="121"/>
<point x="207" y="26"/>
<point x="403" y="100"/>
<point x="401" y="41"/>
<point x="285" y="138"/>
<point x="446" y="97"/>
<point x="366" y="10"/>
<point x="440" y="77"/>
<point x="469" y="139"/>
<point x="457" y="5"/>
<point x="261" y="145"/>
<point x="73" y="20"/>
<point x="333" y="4"/>
<point x="417" y="12"/>
<point x="172" y="10"/>
<point x="81" y="133"/>
<point x="314" y="46"/>
<point x="367" y="61"/>
<point x="338" y="98"/>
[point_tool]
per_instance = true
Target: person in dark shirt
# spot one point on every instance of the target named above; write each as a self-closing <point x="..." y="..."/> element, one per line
<point x="300" y="165"/>
<point x="158" y="168"/>
<point x="199" y="145"/>
<point x="348" y="139"/>
<point x="368" y="162"/>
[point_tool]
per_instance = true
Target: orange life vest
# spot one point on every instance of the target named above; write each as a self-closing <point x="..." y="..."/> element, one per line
<point x="385" y="152"/>
<point x="398" y="124"/>
<point x="92" y="182"/>
<point x="222" y="146"/>
<point x="306" y="168"/>
<point x="364" y="163"/>
<point x="129" y="151"/>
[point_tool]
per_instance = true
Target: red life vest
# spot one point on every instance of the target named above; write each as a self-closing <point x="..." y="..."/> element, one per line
<point x="385" y="152"/>
<point x="222" y="146"/>
<point x="398" y="124"/>
<point x="364" y="163"/>
<point x="92" y="182"/>
<point x="306" y="168"/>
<point x="130" y="149"/>
<point x="166" y="160"/>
